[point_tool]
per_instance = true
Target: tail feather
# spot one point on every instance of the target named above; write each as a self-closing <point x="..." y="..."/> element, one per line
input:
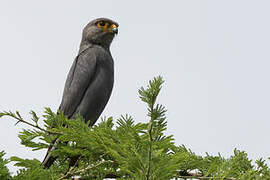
<point x="49" y="159"/>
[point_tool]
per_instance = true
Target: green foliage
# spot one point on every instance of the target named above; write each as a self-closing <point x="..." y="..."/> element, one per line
<point x="4" y="173"/>
<point x="122" y="149"/>
<point x="32" y="170"/>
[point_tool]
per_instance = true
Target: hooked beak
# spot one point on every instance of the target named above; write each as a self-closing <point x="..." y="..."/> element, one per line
<point x="114" y="29"/>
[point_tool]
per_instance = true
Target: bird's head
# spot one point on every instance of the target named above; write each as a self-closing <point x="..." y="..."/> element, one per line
<point x="100" y="31"/>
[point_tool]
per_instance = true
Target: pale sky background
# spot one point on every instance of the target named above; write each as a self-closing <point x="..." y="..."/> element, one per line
<point x="214" y="56"/>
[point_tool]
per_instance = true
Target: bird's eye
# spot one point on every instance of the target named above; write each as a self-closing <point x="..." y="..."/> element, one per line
<point x="101" y="23"/>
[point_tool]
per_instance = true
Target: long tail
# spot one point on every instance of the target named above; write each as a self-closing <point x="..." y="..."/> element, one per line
<point x="49" y="159"/>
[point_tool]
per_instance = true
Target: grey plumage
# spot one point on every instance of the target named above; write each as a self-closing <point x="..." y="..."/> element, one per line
<point x="90" y="80"/>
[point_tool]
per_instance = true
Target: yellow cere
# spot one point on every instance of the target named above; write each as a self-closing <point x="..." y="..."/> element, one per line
<point x="112" y="27"/>
<point x="106" y="26"/>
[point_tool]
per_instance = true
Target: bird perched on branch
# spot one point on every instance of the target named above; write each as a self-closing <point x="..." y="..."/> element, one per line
<point x="90" y="80"/>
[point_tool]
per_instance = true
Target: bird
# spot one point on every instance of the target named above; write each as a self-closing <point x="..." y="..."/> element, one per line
<point x="90" y="80"/>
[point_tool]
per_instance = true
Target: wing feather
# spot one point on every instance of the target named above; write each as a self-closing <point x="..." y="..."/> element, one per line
<point x="79" y="78"/>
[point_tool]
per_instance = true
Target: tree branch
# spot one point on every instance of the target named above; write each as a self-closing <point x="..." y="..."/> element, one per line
<point x="18" y="117"/>
<point x="150" y="143"/>
<point x="189" y="175"/>
<point x="201" y="177"/>
<point x="78" y="172"/>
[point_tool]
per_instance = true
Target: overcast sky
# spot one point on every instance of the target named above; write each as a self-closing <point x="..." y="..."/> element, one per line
<point x="213" y="55"/>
